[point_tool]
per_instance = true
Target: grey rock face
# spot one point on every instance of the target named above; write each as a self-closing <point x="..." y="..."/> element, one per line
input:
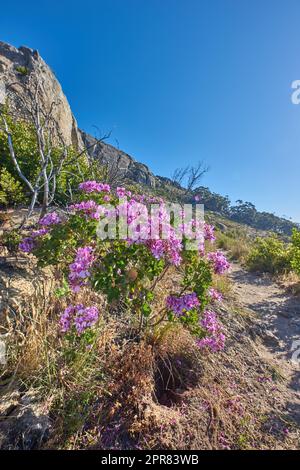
<point x="267" y="336"/>
<point x="16" y="64"/>
<point x="23" y="424"/>
<point x="109" y="155"/>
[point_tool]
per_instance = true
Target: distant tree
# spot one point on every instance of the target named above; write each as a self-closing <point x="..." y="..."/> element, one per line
<point x="188" y="177"/>
<point x="244" y="212"/>
<point x="213" y="201"/>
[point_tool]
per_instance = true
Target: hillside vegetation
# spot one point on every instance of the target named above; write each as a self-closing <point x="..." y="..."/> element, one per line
<point x="13" y="191"/>
<point x="130" y="339"/>
<point x="127" y="344"/>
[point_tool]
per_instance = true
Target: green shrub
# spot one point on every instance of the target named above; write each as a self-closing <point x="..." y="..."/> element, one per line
<point x="11" y="240"/>
<point x="11" y="191"/>
<point x="22" y="70"/>
<point x="237" y="245"/>
<point x="295" y="251"/>
<point x="269" y="255"/>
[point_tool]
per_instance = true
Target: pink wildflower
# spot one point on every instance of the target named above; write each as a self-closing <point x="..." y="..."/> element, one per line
<point x="185" y="303"/>
<point x="89" y="208"/>
<point x="209" y="232"/>
<point x="78" y="316"/>
<point x="79" y="270"/>
<point x="94" y="187"/>
<point x="215" y="295"/>
<point x="27" y="245"/>
<point x="215" y="339"/>
<point x="50" y="219"/>
<point x="219" y="261"/>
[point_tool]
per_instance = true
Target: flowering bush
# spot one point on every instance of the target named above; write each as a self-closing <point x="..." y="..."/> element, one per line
<point x="269" y="254"/>
<point x="79" y="317"/>
<point x="93" y="252"/>
<point x="219" y="261"/>
<point x="215" y="339"/>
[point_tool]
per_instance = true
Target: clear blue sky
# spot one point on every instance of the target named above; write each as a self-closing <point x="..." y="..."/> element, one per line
<point x="181" y="80"/>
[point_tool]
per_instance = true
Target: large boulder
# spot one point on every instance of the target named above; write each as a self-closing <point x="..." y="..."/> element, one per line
<point x="109" y="155"/>
<point x="24" y="423"/>
<point x="15" y="67"/>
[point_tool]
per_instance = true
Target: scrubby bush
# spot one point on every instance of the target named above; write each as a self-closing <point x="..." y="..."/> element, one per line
<point x="22" y="70"/>
<point x="270" y="255"/>
<point x="11" y="239"/>
<point x="11" y="191"/>
<point x="236" y="244"/>
<point x="295" y="251"/>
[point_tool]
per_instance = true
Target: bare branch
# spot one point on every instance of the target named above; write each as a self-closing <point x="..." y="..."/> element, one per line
<point x="188" y="177"/>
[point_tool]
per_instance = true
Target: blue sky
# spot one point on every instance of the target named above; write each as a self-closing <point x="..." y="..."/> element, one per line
<point x="179" y="81"/>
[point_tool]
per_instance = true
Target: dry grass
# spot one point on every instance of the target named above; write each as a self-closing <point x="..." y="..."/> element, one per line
<point x="224" y="285"/>
<point x="237" y="245"/>
<point x="290" y="281"/>
<point x="152" y="392"/>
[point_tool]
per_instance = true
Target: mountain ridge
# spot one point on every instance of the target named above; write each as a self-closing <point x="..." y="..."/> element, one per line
<point x="18" y="63"/>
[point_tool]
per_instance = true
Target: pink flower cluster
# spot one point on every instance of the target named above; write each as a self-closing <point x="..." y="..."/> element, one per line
<point x="40" y="232"/>
<point x="185" y="303"/>
<point x="78" y="316"/>
<point x="79" y="269"/>
<point x="219" y="261"/>
<point x="50" y="219"/>
<point x="28" y="243"/>
<point x="215" y="340"/>
<point x="167" y="243"/>
<point x="122" y="192"/>
<point x="215" y="295"/>
<point x="94" y="187"/>
<point x="89" y="208"/>
<point x="209" y="232"/>
<point x="141" y="230"/>
<point x="169" y="249"/>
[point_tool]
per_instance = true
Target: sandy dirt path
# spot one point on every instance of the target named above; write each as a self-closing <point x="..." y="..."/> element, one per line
<point x="278" y="325"/>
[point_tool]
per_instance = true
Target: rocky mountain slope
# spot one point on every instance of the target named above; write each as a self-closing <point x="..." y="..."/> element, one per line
<point x="15" y="64"/>
<point x="18" y="63"/>
<point x="246" y="397"/>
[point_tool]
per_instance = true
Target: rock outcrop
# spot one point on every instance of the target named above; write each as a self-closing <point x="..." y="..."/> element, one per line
<point x="17" y="63"/>
<point x="24" y="424"/>
<point x="107" y="154"/>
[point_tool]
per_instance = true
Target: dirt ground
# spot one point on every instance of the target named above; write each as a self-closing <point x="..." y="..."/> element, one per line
<point x="279" y="316"/>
